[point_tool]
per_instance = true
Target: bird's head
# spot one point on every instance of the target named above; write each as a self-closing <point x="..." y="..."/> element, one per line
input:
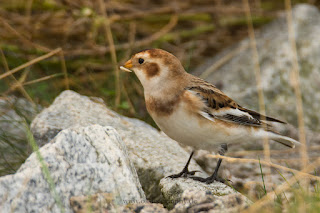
<point x="154" y="68"/>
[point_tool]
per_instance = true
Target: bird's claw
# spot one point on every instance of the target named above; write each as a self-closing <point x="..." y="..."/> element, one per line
<point x="193" y="172"/>
<point x="183" y="174"/>
<point x="209" y="180"/>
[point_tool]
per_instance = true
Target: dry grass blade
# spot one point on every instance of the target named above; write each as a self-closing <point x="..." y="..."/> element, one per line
<point x="223" y="61"/>
<point x="42" y="79"/>
<point x="112" y="51"/>
<point x="64" y="69"/>
<point x="257" y="70"/>
<point x="18" y="83"/>
<point x="131" y="107"/>
<point x="285" y="186"/>
<point x="290" y="160"/>
<point x="269" y="164"/>
<point x="13" y="87"/>
<point x="29" y="63"/>
<point x="296" y="85"/>
<point x="274" y="152"/>
<point x="21" y="82"/>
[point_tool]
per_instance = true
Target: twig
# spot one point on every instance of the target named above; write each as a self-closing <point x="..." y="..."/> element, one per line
<point x="131" y="109"/>
<point x="223" y="61"/>
<point x="167" y="28"/>
<point x="29" y="63"/>
<point x="42" y="79"/>
<point x="64" y="69"/>
<point x="19" y="85"/>
<point x="266" y="163"/>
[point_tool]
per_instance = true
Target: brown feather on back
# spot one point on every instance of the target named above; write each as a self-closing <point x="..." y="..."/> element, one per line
<point x="215" y="99"/>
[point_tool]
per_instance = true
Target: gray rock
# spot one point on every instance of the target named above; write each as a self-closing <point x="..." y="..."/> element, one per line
<point x="145" y="208"/>
<point x="237" y="77"/>
<point x="102" y="202"/>
<point x="13" y="142"/>
<point x="154" y="154"/>
<point x="186" y="194"/>
<point x="80" y="161"/>
<point x="194" y="201"/>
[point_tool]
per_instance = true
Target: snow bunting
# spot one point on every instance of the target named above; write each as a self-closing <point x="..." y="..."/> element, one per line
<point x="194" y="112"/>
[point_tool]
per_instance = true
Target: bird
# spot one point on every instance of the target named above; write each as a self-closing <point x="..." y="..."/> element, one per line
<point x="194" y="112"/>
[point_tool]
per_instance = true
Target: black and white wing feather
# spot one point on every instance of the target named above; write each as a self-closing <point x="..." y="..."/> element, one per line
<point x="220" y="106"/>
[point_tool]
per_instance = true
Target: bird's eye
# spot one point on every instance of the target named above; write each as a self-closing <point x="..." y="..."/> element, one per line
<point x="141" y="60"/>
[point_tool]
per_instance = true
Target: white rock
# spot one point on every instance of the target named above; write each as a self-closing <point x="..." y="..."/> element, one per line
<point x="80" y="161"/>
<point x="13" y="142"/>
<point x="154" y="155"/>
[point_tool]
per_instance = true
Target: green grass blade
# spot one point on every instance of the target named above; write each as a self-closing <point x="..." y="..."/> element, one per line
<point x="264" y="185"/>
<point x="44" y="169"/>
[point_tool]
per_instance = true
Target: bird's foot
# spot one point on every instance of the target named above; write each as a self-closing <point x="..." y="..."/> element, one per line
<point x="210" y="179"/>
<point x="183" y="173"/>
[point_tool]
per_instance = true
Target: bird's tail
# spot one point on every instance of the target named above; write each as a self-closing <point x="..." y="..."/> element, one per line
<point x="284" y="140"/>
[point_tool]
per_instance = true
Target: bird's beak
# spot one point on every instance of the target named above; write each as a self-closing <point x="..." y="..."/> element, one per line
<point x="127" y="66"/>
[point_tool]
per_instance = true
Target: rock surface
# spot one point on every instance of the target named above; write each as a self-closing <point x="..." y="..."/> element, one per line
<point x="153" y="154"/>
<point x="79" y="161"/>
<point x="188" y="195"/>
<point x="237" y="77"/>
<point x="13" y="142"/>
<point x="101" y="202"/>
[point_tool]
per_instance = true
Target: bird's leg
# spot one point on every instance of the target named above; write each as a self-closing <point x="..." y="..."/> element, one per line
<point x="214" y="176"/>
<point x="185" y="171"/>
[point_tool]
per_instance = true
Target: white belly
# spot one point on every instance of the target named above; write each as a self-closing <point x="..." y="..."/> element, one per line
<point x="188" y="129"/>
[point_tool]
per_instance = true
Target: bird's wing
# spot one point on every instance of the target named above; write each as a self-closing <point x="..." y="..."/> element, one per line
<point x="217" y="105"/>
